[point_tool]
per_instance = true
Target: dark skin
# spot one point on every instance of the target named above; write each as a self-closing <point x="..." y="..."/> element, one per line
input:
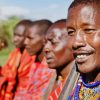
<point x="19" y="37"/>
<point x="34" y="41"/>
<point x="83" y="27"/>
<point x="57" y="49"/>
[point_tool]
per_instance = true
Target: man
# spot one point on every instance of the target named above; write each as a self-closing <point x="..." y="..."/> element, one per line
<point x="83" y="26"/>
<point x="35" y="35"/>
<point x="59" y="56"/>
<point x="9" y="70"/>
<point x="34" y="79"/>
<point x="19" y="34"/>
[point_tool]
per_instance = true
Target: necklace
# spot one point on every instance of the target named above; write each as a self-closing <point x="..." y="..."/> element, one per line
<point x="84" y="90"/>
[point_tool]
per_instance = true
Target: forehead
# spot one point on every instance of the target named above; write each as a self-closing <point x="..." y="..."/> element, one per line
<point x="33" y="31"/>
<point x="83" y="14"/>
<point x="57" y="30"/>
<point x="19" y="29"/>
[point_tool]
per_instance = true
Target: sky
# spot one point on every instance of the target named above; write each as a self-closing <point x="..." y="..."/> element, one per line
<point x="34" y="9"/>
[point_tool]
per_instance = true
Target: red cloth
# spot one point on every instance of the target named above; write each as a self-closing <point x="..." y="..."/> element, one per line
<point x="8" y="75"/>
<point x="54" y="95"/>
<point x="24" y="69"/>
<point x="32" y="77"/>
<point x="37" y="82"/>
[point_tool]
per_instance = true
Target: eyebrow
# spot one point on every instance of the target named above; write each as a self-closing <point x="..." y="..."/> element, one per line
<point x="69" y="27"/>
<point x="86" y="24"/>
<point x="17" y="33"/>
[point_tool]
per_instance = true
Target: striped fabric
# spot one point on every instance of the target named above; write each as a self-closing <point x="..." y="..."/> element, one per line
<point x="54" y="95"/>
<point x="37" y="83"/>
<point x="8" y="75"/>
<point x="32" y="81"/>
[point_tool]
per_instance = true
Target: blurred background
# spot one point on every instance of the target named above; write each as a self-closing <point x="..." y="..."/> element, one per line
<point x="12" y="11"/>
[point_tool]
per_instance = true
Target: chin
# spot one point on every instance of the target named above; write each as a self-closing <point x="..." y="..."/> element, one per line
<point x="30" y="53"/>
<point x="51" y="66"/>
<point x="86" y="68"/>
<point x="16" y="46"/>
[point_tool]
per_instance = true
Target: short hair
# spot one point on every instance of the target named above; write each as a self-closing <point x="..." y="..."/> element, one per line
<point x="43" y="25"/>
<point x="61" y="20"/>
<point x="24" y="22"/>
<point x="86" y="2"/>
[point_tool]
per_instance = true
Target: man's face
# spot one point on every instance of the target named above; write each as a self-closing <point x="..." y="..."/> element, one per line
<point x="56" y="48"/>
<point x="84" y="30"/>
<point x="33" y="42"/>
<point x="19" y="36"/>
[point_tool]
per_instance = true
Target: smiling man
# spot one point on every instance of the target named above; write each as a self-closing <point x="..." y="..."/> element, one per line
<point x="83" y="27"/>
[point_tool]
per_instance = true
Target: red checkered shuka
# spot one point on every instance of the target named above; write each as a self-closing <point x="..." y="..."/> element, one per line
<point x="54" y="95"/>
<point x="37" y="82"/>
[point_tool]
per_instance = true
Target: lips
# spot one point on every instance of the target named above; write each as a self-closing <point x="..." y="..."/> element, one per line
<point x="49" y="59"/>
<point x="16" y="42"/>
<point x="82" y="56"/>
<point x="28" y="49"/>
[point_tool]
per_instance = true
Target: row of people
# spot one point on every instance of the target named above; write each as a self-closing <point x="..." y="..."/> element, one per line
<point x="30" y="35"/>
<point x="46" y="68"/>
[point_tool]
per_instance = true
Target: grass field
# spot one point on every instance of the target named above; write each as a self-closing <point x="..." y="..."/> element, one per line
<point x="4" y="54"/>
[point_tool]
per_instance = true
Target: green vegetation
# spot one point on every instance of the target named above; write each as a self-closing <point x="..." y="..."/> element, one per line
<point x="6" y="28"/>
<point x="6" y="31"/>
<point x="4" y="54"/>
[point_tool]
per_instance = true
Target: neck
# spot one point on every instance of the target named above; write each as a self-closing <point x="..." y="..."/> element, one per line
<point x="22" y="49"/>
<point x="95" y="76"/>
<point x="66" y="70"/>
<point x="38" y="59"/>
<point x="41" y="56"/>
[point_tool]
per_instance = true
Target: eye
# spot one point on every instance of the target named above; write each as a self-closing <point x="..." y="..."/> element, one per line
<point x="18" y="35"/>
<point x="30" y="38"/>
<point x="89" y="31"/>
<point x="70" y="32"/>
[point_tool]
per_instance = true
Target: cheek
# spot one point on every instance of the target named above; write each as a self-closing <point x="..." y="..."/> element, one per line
<point x="97" y="48"/>
<point x="37" y="45"/>
<point x="60" y="52"/>
<point x="94" y="42"/>
<point x="70" y="41"/>
<point x="63" y="56"/>
<point x="15" y="38"/>
<point x="21" y="39"/>
<point x="32" y="45"/>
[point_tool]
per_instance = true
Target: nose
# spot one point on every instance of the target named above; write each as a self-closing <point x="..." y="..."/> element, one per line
<point x="79" y="40"/>
<point x="15" y="38"/>
<point x="26" y="41"/>
<point x="47" y="47"/>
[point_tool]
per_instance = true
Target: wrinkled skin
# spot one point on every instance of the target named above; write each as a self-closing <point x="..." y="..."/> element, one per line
<point x="19" y="36"/>
<point x="56" y="47"/>
<point x="83" y="27"/>
<point x="33" y="42"/>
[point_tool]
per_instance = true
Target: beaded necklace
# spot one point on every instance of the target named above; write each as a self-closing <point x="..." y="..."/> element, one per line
<point x="85" y="91"/>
